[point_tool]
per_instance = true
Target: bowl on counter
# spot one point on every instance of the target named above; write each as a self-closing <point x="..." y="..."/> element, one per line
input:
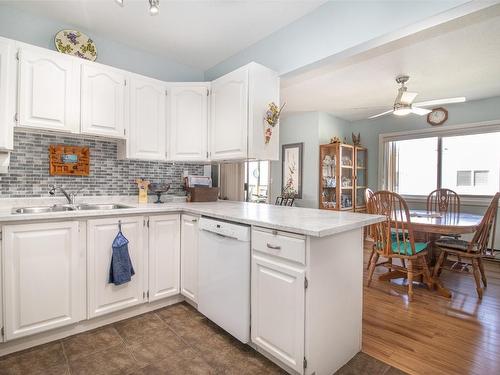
<point x="158" y="188"/>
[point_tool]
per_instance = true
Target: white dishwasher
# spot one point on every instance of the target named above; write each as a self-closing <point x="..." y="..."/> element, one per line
<point x="224" y="275"/>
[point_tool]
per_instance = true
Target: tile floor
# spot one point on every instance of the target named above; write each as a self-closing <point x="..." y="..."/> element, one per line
<point x="173" y="340"/>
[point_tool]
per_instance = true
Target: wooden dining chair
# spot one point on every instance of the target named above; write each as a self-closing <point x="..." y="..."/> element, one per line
<point x="469" y="253"/>
<point x="284" y="201"/>
<point x="443" y="200"/>
<point x="368" y="195"/>
<point x="394" y="239"/>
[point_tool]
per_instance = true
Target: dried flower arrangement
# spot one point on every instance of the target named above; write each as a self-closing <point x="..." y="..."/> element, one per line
<point x="272" y="118"/>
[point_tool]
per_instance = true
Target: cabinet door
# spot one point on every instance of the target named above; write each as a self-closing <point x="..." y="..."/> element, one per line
<point x="189" y="257"/>
<point x="104" y="297"/>
<point x="7" y="97"/>
<point x="164" y="256"/>
<point x="229" y="116"/>
<point x="43" y="284"/>
<point x="48" y="90"/>
<point x="146" y="138"/>
<point x="188" y="123"/>
<point x="278" y="298"/>
<point x="103" y="101"/>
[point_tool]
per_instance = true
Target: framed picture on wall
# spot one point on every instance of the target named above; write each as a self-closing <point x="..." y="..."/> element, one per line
<point x="291" y="177"/>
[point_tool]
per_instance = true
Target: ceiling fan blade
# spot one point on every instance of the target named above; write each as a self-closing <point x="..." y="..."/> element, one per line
<point x="420" y="111"/>
<point x="408" y="97"/>
<point x="381" y="114"/>
<point x="459" y="99"/>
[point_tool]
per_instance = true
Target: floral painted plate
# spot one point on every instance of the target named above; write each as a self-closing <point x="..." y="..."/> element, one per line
<point x="76" y="43"/>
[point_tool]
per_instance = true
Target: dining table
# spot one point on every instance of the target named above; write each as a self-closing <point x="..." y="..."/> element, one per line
<point x="440" y="223"/>
<point x="436" y="224"/>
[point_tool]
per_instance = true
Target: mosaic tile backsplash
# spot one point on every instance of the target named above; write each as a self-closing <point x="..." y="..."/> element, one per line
<point x="29" y="168"/>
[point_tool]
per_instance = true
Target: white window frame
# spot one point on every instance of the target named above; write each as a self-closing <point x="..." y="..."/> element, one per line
<point x="449" y="130"/>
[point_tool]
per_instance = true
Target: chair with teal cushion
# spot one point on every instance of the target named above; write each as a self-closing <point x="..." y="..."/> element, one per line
<point x="393" y="238"/>
<point x="400" y="247"/>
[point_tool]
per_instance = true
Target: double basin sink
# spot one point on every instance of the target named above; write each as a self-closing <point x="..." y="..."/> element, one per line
<point x="68" y="207"/>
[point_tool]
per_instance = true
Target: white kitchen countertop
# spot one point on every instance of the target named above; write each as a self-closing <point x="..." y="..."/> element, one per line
<point x="307" y="221"/>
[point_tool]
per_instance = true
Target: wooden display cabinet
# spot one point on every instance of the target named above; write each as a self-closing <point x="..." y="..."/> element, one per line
<point x="360" y="178"/>
<point x="343" y="177"/>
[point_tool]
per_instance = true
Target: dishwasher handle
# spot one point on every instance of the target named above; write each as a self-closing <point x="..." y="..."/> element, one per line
<point x="221" y="236"/>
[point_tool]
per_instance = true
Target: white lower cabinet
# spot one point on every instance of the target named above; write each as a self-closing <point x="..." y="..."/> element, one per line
<point x="164" y="256"/>
<point x="43" y="277"/>
<point x="189" y="257"/>
<point x="104" y="297"/>
<point x="278" y="305"/>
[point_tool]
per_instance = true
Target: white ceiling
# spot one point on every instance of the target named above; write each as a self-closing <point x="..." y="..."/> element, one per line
<point x="461" y="58"/>
<point x="196" y="33"/>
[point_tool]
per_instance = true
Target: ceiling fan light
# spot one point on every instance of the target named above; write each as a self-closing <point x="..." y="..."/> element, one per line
<point x="154" y="7"/>
<point x="119" y="2"/>
<point x="402" y="111"/>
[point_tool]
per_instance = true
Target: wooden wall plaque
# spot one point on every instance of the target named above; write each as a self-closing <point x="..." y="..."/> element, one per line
<point x="69" y="160"/>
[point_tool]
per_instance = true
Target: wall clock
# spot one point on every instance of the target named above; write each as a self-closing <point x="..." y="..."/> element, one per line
<point x="437" y="116"/>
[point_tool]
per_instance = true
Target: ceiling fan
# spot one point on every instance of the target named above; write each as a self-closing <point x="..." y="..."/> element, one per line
<point x="403" y="105"/>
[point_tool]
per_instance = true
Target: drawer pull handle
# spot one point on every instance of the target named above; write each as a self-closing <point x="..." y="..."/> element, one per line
<point x="194" y="220"/>
<point x="274" y="247"/>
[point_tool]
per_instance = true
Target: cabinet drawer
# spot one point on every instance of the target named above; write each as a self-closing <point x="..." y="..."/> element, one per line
<point x="280" y="244"/>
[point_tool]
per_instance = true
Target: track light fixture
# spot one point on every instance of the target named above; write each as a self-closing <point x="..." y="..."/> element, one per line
<point x="154" y="6"/>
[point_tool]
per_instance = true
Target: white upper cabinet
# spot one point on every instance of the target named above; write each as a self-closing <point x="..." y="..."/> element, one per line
<point x="7" y="94"/>
<point x="164" y="256"/>
<point x="229" y="116"/>
<point x="48" y="90"/>
<point x="188" y="122"/>
<point x="44" y="277"/>
<point x="103" y="296"/>
<point x="189" y="257"/>
<point x="239" y="101"/>
<point x="263" y="89"/>
<point x="146" y="138"/>
<point x="102" y="100"/>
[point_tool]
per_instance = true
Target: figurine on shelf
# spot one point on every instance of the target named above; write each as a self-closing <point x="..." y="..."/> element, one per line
<point x="330" y="182"/>
<point x="334" y="140"/>
<point x="346" y="182"/>
<point x="346" y="201"/>
<point x="346" y="160"/>
<point x="327" y="164"/>
<point x="356" y="140"/>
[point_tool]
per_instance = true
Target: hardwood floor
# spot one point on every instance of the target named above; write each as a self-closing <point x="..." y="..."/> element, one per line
<point x="434" y="335"/>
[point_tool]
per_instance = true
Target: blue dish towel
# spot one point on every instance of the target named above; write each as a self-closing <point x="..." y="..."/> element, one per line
<point x="121" y="270"/>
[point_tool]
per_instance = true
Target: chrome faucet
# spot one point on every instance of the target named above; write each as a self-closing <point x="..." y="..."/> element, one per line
<point x="69" y="196"/>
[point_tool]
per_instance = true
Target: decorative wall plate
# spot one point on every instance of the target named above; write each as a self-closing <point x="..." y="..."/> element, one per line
<point x="76" y="43"/>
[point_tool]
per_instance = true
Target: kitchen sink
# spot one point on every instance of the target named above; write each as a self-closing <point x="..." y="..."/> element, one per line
<point x="100" y="206"/>
<point x="42" y="209"/>
<point x="62" y="208"/>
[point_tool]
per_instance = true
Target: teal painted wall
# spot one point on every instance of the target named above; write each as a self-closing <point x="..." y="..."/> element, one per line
<point x="40" y="31"/>
<point x="313" y="129"/>
<point x="331" y="28"/>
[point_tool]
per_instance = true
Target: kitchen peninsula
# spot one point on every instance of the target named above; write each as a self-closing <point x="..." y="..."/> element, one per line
<point x="306" y="274"/>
